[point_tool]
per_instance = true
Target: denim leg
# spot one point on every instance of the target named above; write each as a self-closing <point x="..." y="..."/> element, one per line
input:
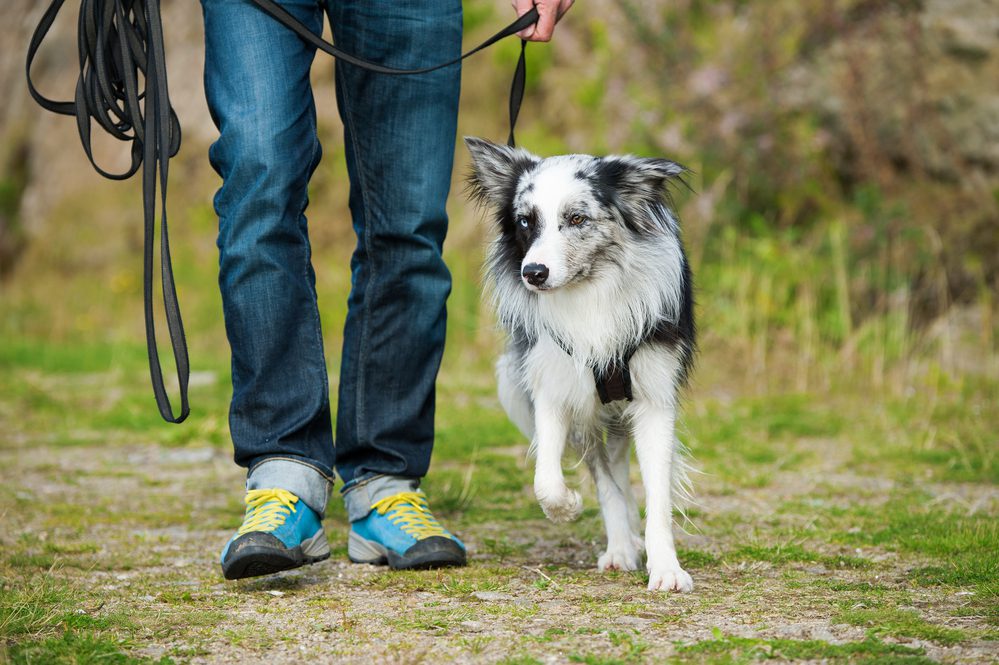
<point x="257" y="84"/>
<point x="400" y="136"/>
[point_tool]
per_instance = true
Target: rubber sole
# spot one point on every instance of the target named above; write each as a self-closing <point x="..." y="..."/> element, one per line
<point x="257" y="554"/>
<point x="434" y="552"/>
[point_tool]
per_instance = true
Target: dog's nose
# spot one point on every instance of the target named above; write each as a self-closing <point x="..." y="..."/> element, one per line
<point x="535" y="273"/>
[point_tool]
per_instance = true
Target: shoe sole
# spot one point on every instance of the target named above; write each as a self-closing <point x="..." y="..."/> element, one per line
<point x="255" y="561"/>
<point x="361" y="550"/>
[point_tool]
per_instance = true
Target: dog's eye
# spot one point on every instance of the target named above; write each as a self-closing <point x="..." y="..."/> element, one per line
<point x="576" y="219"/>
<point x="522" y="222"/>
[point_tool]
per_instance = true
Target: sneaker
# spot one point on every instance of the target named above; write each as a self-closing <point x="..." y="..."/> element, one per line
<point x="278" y="533"/>
<point x="401" y="531"/>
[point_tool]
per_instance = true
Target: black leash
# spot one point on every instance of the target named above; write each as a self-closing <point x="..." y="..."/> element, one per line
<point x="121" y="41"/>
<point x="281" y="15"/>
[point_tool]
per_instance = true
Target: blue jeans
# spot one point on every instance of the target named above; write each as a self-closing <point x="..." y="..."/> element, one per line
<point x="399" y="133"/>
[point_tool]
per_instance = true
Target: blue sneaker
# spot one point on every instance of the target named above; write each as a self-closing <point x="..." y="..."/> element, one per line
<point x="278" y="533"/>
<point x="401" y="531"/>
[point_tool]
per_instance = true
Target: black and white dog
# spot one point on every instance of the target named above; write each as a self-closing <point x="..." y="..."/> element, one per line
<point x="590" y="281"/>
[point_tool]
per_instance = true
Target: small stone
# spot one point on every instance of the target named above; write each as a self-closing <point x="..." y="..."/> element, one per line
<point x="472" y="626"/>
<point x="275" y="593"/>
<point x="492" y="595"/>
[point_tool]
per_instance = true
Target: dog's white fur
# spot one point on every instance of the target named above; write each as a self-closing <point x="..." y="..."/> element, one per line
<point x="609" y="284"/>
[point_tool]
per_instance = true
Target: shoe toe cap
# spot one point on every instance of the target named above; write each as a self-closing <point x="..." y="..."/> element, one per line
<point x="433" y="552"/>
<point x="255" y="541"/>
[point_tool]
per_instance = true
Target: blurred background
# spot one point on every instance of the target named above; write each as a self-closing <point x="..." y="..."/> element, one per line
<point x="842" y="220"/>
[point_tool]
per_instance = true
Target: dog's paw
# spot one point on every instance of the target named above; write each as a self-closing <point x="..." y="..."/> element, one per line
<point x="564" y="506"/>
<point x="619" y="558"/>
<point x="670" y="579"/>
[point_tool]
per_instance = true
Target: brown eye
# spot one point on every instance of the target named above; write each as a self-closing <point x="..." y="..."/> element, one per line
<point x="576" y="219"/>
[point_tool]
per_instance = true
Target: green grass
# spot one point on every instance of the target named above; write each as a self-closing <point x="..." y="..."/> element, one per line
<point x="794" y="553"/>
<point x="43" y="621"/>
<point x="965" y="547"/>
<point x="948" y="434"/>
<point x="897" y="622"/>
<point x="729" y="649"/>
<point x="76" y="648"/>
<point x="749" y="446"/>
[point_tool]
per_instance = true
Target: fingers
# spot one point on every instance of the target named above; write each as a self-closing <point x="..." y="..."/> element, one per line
<point x="522" y="7"/>
<point x="549" y="12"/>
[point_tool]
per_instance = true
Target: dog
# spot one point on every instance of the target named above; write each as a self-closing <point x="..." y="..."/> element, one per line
<point x="590" y="281"/>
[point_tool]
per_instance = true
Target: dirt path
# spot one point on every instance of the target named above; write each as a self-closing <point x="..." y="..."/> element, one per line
<point x="125" y="539"/>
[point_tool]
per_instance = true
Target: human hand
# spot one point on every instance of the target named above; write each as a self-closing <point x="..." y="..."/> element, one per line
<point x="549" y="12"/>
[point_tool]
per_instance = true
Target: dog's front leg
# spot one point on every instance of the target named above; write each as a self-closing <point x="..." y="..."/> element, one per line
<point x="550" y="433"/>
<point x="655" y="445"/>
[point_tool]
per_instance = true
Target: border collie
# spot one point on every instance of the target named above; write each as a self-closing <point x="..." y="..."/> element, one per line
<point x="590" y="281"/>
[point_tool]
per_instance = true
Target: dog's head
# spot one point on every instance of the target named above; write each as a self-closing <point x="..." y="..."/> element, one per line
<point x="564" y="219"/>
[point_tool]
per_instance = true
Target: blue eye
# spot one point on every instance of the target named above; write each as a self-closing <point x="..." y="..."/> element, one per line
<point x="522" y="222"/>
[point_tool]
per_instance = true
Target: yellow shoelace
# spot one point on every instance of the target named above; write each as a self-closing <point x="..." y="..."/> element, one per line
<point x="411" y="513"/>
<point x="267" y="509"/>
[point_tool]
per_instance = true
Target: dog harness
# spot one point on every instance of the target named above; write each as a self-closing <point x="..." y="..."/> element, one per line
<point x="613" y="382"/>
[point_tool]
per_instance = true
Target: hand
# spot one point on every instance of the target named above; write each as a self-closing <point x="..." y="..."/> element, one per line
<point x="549" y="12"/>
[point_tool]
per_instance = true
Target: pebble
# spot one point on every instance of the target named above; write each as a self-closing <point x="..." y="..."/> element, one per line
<point x="492" y="595"/>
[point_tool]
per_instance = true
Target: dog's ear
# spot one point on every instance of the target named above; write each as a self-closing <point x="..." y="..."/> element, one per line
<point x="642" y="178"/>
<point x="496" y="169"/>
<point x="638" y="186"/>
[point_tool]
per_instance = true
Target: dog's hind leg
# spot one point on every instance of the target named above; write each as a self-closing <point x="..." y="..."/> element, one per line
<point x="622" y="544"/>
<point x="618" y="458"/>
<point x="512" y="393"/>
<point x="655" y="445"/>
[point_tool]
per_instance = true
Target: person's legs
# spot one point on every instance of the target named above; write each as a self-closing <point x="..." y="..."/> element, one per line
<point x="400" y="136"/>
<point x="257" y="84"/>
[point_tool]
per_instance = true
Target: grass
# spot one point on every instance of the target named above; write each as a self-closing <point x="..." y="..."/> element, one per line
<point x="729" y="649"/>
<point x="897" y="622"/>
<point x="794" y="526"/>
<point x="795" y="553"/>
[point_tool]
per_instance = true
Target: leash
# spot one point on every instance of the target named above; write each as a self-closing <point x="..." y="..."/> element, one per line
<point x="121" y="42"/>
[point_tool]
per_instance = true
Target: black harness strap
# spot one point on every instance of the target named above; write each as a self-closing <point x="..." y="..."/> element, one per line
<point x="121" y="41"/>
<point x="613" y="382"/>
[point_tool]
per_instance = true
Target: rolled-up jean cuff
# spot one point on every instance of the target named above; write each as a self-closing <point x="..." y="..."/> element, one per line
<point x="359" y="497"/>
<point x="301" y="479"/>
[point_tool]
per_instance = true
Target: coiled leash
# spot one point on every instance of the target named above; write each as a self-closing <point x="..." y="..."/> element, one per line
<point x="120" y="45"/>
